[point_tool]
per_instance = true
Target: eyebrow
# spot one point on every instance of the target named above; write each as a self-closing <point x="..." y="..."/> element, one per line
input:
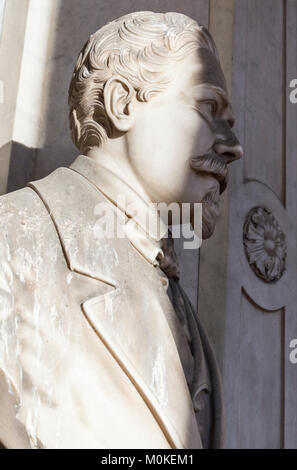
<point x="222" y="94"/>
<point x="224" y="97"/>
<point x="215" y="89"/>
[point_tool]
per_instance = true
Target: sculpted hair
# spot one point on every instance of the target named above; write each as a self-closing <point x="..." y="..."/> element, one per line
<point x="141" y="47"/>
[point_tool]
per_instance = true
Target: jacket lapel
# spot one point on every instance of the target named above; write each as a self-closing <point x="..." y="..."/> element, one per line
<point x="126" y="316"/>
<point x="137" y="334"/>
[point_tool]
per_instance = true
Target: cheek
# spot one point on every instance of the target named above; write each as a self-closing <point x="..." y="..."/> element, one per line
<point x="178" y="131"/>
<point x="182" y="132"/>
<point x="159" y="137"/>
<point x="173" y="130"/>
<point x="196" y="134"/>
<point x="162" y="142"/>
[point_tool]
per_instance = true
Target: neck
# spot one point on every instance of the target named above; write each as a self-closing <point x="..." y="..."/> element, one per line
<point x="117" y="162"/>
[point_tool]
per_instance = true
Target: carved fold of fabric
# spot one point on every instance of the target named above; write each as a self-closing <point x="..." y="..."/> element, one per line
<point x="197" y="356"/>
<point x="200" y="377"/>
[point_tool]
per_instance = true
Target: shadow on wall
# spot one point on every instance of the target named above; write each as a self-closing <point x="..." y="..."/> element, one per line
<point x="21" y="166"/>
<point x="76" y="20"/>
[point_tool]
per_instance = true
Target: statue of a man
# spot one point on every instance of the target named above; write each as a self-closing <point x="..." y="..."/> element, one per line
<point x="93" y="353"/>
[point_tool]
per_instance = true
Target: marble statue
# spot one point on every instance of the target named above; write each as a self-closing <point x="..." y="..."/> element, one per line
<point x="99" y="345"/>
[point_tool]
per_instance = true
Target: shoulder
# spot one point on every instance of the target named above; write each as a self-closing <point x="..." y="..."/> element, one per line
<point x="26" y="207"/>
<point x="22" y="216"/>
<point x="12" y="204"/>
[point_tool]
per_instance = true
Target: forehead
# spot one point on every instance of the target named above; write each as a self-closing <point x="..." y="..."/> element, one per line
<point x="203" y="68"/>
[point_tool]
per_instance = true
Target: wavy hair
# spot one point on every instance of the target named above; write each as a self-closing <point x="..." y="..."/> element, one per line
<point x="141" y="47"/>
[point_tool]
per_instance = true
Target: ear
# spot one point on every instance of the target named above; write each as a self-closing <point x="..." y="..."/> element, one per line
<point x="119" y="99"/>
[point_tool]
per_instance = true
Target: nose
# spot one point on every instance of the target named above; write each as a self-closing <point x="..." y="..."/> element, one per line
<point x="230" y="153"/>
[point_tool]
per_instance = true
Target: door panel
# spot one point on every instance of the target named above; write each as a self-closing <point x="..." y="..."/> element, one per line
<point x="261" y="391"/>
<point x="261" y="279"/>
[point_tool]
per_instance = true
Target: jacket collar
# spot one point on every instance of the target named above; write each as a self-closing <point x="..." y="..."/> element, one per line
<point x="143" y="226"/>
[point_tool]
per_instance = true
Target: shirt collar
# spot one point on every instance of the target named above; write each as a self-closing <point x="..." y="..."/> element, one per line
<point x="143" y="226"/>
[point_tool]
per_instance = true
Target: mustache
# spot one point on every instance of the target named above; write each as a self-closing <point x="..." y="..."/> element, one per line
<point x="213" y="164"/>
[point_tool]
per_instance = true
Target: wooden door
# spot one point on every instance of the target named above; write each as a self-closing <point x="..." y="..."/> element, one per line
<point x="261" y="281"/>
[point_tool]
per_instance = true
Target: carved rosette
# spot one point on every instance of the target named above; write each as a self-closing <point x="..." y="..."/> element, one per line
<point x="265" y="244"/>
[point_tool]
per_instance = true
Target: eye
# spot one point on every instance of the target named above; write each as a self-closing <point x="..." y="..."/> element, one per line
<point x="211" y="107"/>
<point x="208" y="108"/>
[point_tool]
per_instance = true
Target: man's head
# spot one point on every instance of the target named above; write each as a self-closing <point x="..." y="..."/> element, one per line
<point x="153" y="82"/>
